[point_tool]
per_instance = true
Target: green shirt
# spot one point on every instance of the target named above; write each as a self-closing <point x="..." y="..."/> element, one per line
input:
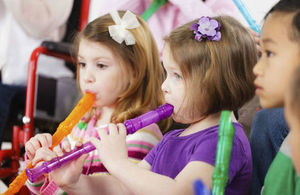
<point x="281" y="177"/>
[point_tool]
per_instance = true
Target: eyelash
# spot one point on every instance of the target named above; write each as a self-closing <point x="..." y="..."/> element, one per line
<point x="81" y="64"/>
<point x="177" y="76"/>
<point x="101" y="66"/>
<point x="269" y="53"/>
<point x="259" y="54"/>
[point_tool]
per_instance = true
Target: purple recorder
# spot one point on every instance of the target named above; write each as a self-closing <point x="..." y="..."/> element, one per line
<point x="132" y="125"/>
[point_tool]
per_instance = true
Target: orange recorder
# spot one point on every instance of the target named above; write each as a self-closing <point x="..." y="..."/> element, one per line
<point x="64" y="129"/>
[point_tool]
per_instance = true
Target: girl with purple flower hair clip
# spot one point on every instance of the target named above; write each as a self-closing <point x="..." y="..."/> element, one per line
<point x="202" y="79"/>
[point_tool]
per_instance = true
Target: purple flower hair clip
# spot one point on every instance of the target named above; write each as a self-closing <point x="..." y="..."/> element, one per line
<point x="207" y="28"/>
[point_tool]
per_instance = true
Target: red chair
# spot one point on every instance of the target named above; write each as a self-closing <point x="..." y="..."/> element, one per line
<point x="22" y="134"/>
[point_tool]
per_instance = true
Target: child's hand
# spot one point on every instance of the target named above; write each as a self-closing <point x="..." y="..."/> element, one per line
<point x="68" y="174"/>
<point x="36" y="142"/>
<point x="42" y="154"/>
<point x="112" y="146"/>
<point x="63" y="147"/>
<point x="45" y="154"/>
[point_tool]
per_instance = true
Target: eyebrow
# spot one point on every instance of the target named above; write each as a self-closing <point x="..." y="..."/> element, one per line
<point x="97" y="58"/>
<point x="268" y="40"/>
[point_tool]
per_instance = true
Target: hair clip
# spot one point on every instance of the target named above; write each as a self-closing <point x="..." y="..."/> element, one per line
<point x="207" y="28"/>
<point x="120" y="31"/>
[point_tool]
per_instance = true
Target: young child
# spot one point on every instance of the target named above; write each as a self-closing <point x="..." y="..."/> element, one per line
<point x="207" y="72"/>
<point x="292" y="114"/>
<point x="280" y="41"/>
<point x="117" y="59"/>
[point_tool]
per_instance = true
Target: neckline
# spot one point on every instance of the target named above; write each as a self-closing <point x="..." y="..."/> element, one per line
<point x="179" y="131"/>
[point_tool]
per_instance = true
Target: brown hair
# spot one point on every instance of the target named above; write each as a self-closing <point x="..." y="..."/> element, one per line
<point x="294" y="93"/>
<point x="143" y="69"/>
<point x="218" y="74"/>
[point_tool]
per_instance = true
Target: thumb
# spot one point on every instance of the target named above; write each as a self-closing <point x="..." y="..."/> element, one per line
<point x="80" y="161"/>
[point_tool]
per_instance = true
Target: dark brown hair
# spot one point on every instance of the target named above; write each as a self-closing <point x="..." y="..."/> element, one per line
<point x="143" y="69"/>
<point x="219" y="74"/>
<point x="289" y="7"/>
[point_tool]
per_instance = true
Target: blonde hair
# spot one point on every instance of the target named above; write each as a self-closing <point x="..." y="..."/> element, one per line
<point x="142" y="67"/>
<point x="218" y="74"/>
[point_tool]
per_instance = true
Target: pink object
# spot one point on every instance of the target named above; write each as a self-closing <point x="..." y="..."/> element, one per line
<point x="169" y="16"/>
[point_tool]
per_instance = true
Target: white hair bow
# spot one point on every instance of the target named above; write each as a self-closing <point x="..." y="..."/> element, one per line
<point x="119" y="31"/>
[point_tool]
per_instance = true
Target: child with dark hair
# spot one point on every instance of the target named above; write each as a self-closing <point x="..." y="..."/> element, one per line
<point x="280" y="47"/>
<point x="292" y="114"/>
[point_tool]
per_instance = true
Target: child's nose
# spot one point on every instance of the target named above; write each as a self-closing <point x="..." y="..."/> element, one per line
<point x="258" y="69"/>
<point x="164" y="87"/>
<point x="89" y="76"/>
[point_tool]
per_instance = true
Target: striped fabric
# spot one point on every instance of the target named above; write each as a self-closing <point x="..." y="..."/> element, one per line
<point x="139" y="145"/>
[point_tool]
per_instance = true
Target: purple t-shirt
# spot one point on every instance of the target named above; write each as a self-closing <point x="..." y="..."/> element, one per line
<point x="173" y="153"/>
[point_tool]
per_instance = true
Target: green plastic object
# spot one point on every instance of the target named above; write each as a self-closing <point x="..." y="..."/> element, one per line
<point x="224" y="146"/>
<point x="156" y="4"/>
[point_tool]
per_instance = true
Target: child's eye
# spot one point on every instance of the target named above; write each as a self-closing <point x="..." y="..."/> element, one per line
<point x="101" y="66"/>
<point x="81" y="64"/>
<point x="177" y="76"/>
<point x="259" y="54"/>
<point x="269" y="53"/>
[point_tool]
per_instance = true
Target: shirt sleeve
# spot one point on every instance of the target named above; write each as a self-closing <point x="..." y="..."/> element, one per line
<point x="205" y="151"/>
<point x="151" y="155"/>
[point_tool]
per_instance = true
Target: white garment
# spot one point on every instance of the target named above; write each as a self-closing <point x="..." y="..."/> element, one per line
<point x="23" y="26"/>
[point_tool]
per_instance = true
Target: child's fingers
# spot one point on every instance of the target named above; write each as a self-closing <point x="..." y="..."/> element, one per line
<point x="66" y="146"/>
<point x="122" y="129"/>
<point x="58" y="151"/>
<point x="113" y="130"/>
<point x="49" y="139"/>
<point x="39" y="163"/>
<point x="45" y="139"/>
<point x="43" y="154"/>
<point x="102" y="132"/>
<point x="29" y="156"/>
<point x="79" y="162"/>
<point x="78" y="144"/>
<point x="30" y="151"/>
<point x="35" y="144"/>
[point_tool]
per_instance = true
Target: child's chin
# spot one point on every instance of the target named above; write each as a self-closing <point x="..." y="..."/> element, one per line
<point x="179" y="119"/>
<point x="267" y="104"/>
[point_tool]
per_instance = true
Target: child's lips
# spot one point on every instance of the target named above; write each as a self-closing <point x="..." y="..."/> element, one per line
<point x="92" y="92"/>
<point x="257" y="86"/>
<point x="258" y="90"/>
<point x="89" y="91"/>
